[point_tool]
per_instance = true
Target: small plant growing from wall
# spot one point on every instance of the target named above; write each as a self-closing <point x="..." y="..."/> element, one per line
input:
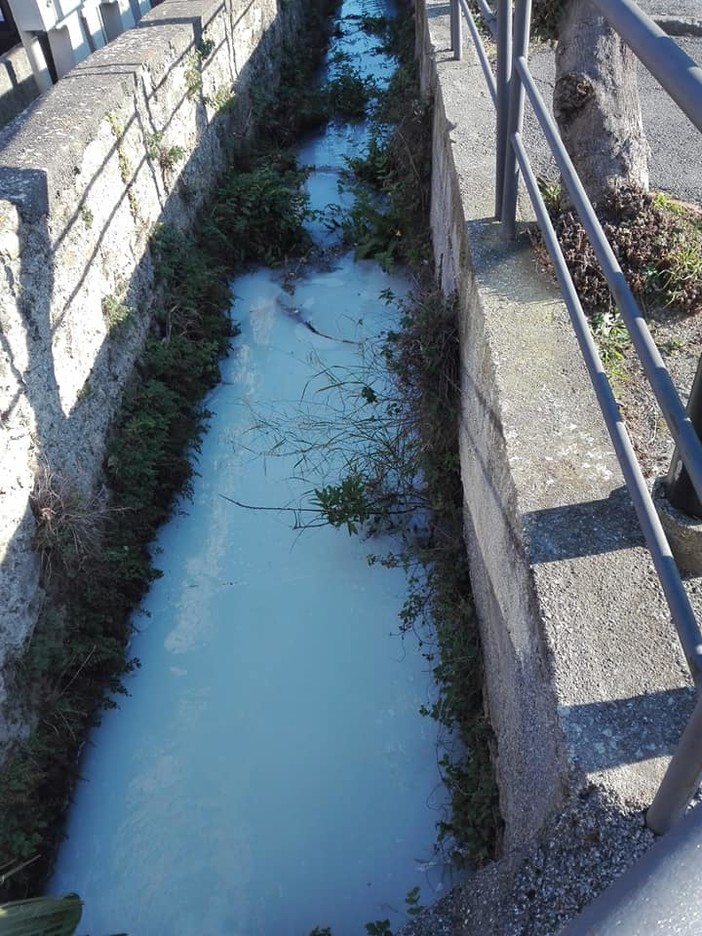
<point x="68" y="522"/>
<point x="125" y="168"/>
<point x="115" y="313"/>
<point x="167" y="157"/>
<point x="193" y="70"/>
<point x="223" y="98"/>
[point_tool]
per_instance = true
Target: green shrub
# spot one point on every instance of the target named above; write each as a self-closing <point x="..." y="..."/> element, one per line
<point x="258" y="216"/>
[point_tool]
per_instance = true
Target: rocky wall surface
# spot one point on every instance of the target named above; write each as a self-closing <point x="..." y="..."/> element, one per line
<point x="134" y="137"/>
<point x="17" y="85"/>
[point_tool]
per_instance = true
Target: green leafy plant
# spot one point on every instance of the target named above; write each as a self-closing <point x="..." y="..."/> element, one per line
<point x="612" y="339"/>
<point x="374" y="25"/>
<point x="348" y="93"/>
<point x="193" y="67"/>
<point x="387" y="221"/>
<point x="413" y="902"/>
<point x="223" y="98"/>
<point x="205" y="48"/>
<point x="115" y="313"/>
<point x="347" y="503"/>
<point x="167" y="157"/>
<point x="379" y="928"/>
<point x="259" y="215"/>
<point x="551" y="192"/>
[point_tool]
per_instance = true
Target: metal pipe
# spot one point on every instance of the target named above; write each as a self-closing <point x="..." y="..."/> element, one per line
<point x="659" y="894"/>
<point x="678" y="421"/>
<point x="488" y="16"/>
<point x="679" y="489"/>
<point x="681" y="612"/>
<point x="673" y="68"/>
<point x="480" y="51"/>
<point x="682" y="778"/>
<point x="456" y="30"/>
<point x="504" y="71"/>
<point x="520" y="49"/>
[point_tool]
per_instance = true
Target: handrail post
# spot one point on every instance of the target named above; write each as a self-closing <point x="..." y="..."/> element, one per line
<point x="504" y="71"/>
<point x="456" y="30"/>
<point x="679" y="489"/>
<point x="681" y="779"/>
<point x="520" y="49"/>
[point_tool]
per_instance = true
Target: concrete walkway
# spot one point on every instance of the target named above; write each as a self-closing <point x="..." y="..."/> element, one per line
<point x="677" y="9"/>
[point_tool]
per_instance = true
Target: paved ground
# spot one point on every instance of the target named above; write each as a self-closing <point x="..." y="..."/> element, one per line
<point x="691" y="8"/>
<point x="676" y="145"/>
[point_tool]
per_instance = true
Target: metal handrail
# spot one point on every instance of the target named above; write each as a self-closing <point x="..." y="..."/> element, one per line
<point x="682" y="79"/>
<point x="657" y="894"/>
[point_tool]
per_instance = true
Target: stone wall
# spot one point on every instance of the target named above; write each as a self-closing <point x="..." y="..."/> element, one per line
<point x="131" y="138"/>
<point x="17" y="85"/>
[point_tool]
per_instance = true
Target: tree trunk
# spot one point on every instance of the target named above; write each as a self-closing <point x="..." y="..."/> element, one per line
<point x="596" y="102"/>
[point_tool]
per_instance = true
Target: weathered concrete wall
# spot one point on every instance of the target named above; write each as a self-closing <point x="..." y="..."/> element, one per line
<point x="17" y="85"/>
<point x="586" y="682"/>
<point x="85" y="176"/>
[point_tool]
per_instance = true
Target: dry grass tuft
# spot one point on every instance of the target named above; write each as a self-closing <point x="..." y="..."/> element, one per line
<point x="69" y="522"/>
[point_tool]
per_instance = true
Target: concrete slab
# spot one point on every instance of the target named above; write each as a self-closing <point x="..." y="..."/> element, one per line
<point x="687" y="8"/>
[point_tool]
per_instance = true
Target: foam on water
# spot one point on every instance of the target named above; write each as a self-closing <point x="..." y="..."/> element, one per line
<point x="269" y="772"/>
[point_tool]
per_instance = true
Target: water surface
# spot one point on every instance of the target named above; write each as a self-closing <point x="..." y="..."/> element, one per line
<point x="269" y="772"/>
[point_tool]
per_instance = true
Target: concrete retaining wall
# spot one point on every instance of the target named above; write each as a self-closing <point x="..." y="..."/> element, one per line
<point x="131" y="138"/>
<point x="586" y="683"/>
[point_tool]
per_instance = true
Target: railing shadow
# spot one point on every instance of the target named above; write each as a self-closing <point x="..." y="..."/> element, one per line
<point x="572" y="531"/>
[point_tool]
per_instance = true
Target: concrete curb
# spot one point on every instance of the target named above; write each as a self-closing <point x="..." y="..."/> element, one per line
<point x="684" y="533"/>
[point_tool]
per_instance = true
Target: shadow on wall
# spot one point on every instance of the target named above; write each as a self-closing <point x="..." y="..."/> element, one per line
<point x="78" y="233"/>
<point x="585" y="529"/>
<point x="17" y="85"/>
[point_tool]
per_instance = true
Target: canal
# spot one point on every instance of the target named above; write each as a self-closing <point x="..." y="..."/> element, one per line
<point x="270" y="772"/>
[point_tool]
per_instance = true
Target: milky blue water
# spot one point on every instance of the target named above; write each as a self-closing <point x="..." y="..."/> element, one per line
<point x="269" y="771"/>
